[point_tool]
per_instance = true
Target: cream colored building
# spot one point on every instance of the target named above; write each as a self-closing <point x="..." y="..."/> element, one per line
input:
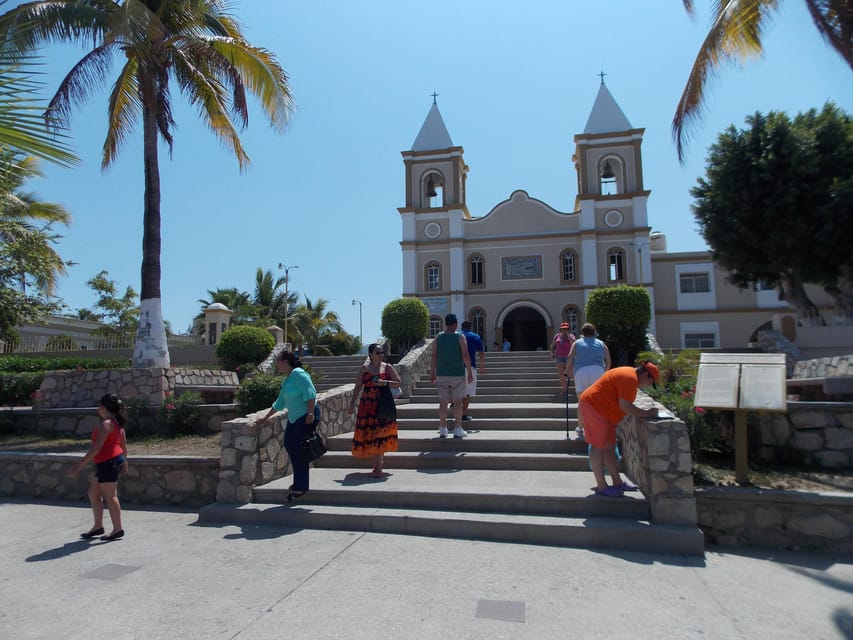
<point x="524" y="267"/>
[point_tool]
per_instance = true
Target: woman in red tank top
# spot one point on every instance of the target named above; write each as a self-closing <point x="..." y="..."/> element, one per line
<point x="109" y="453"/>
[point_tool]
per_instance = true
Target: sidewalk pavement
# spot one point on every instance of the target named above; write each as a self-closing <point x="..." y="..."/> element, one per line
<point x="173" y="578"/>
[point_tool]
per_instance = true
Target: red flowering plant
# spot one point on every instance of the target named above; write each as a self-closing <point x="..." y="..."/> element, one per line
<point x="180" y="415"/>
<point x="677" y="390"/>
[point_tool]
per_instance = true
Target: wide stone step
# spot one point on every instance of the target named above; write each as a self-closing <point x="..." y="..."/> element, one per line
<point x="553" y="442"/>
<point x="484" y="491"/>
<point x="445" y="460"/>
<point x="495" y="390"/>
<point x="562" y="531"/>
<point x="494" y="424"/>
<point x="432" y="398"/>
<point x="494" y="410"/>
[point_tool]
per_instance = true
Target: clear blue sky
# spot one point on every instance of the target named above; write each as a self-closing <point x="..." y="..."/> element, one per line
<point x="516" y="82"/>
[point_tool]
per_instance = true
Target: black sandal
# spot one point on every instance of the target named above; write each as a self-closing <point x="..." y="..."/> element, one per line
<point x="91" y="534"/>
<point x="293" y="495"/>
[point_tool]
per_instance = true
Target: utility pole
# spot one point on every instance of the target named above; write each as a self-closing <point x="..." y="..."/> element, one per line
<point x="360" y="331"/>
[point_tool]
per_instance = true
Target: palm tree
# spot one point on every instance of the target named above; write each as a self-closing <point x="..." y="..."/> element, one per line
<point x="736" y="33"/>
<point x="193" y="42"/>
<point x="238" y="302"/>
<point x="26" y="221"/>
<point x="268" y="298"/>
<point x="314" y="321"/>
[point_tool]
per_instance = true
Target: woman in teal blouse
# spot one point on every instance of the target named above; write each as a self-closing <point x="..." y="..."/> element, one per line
<point x="299" y="397"/>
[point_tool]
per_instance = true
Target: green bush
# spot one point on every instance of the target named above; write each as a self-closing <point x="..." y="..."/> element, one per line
<point x="180" y="416"/>
<point x="19" y="389"/>
<point x="621" y="315"/>
<point x="258" y="393"/>
<point x="14" y="363"/>
<point x="405" y="322"/>
<point x="244" y="344"/>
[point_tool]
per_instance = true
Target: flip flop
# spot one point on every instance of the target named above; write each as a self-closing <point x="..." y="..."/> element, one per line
<point x="609" y="492"/>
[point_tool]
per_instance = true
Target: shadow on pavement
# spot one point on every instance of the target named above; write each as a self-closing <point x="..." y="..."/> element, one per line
<point x="65" y="550"/>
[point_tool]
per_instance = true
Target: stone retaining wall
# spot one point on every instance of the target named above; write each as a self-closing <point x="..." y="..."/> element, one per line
<point x="824" y="367"/>
<point x="811" y="433"/>
<point x="413" y="365"/>
<point x="656" y="454"/>
<point x="254" y="456"/>
<point x="150" y="480"/>
<point x="63" y="389"/>
<point x="739" y="516"/>
<point x="81" y="420"/>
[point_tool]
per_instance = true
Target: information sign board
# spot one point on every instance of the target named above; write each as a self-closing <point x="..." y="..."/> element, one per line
<point x="717" y="386"/>
<point x="762" y="388"/>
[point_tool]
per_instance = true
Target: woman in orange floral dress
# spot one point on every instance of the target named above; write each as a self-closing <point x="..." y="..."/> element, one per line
<point x="372" y="437"/>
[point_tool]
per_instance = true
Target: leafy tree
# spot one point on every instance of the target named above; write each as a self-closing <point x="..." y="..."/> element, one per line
<point x="193" y="42"/>
<point x="120" y="313"/>
<point x="736" y="30"/>
<point x="244" y="345"/>
<point x="16" y="304"/>
<point x="775" y="203"/>
<point x="405" y="321"/>
<point x="621" y="315"/>
<point x="341" y="343"/>
<point x="25" y="218"/>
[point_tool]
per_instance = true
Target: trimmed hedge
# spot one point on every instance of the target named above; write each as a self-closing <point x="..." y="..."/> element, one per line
<point x="17" y="364"/>
<point x="242" y="344"/>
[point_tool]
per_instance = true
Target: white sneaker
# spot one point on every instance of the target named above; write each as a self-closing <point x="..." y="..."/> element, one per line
<point x="459" y="432"/>
<point x="579" y="431"/>
<point x="442" y="432"/>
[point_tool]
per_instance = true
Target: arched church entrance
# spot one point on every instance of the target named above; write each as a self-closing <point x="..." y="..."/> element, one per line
<point x="525" y="329"/>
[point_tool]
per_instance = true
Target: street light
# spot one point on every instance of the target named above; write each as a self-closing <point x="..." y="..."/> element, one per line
<point x="360" y="334"/>
<point x="286" y="301"/>
<point x="638" y="245"/>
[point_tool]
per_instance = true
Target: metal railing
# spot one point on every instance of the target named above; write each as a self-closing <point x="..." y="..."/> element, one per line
<point x="66" y="343"/>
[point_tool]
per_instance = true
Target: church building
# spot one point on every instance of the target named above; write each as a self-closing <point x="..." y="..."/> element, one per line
<point x="524" y="267"/>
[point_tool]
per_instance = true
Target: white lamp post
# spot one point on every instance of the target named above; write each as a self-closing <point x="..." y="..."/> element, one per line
<point x="286" y="301"/>
<point x="360" y="332"/>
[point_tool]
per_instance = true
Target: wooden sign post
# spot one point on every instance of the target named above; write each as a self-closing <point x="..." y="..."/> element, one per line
<point x="742" y="382"/>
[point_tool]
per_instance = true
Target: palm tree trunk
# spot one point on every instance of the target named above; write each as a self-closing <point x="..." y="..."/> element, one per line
<point x="151" y="349"/>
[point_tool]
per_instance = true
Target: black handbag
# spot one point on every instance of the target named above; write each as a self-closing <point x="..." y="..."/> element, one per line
<point x="313" y="445"/>
<point x="386" y="409"/>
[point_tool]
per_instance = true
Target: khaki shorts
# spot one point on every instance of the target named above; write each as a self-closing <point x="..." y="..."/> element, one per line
<point x="450" y="388"/>
<point x="471" y="387"/>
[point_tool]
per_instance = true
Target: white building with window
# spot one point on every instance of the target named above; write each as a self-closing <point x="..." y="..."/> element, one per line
<point x="522" y="268"/>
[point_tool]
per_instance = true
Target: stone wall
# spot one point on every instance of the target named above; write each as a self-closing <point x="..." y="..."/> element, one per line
<point x="824" y="367"/>
<point x="740" y="516"/>
<point x="254" y="456"/>
<point x="414" y="364"/>
<point x="85" y="388"/>
<point x="811" y="433"/>
<point x="80" y="421"/>
<point x="656" y="454"/>
<point x="151" y="480"/>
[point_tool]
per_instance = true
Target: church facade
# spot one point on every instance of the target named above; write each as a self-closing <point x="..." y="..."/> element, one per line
<point x="524" y="267"/>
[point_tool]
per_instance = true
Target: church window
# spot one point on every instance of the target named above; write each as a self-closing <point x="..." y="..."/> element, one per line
<point x="616" y="265"/>
<point x="477" y="270"/>
<point x="568" y="266"/>
<point x="571" y="314"/>
<point x="700" y="340"/>
<point x="478" y="322"/>
<point x="434" y="326"/>
<point x="432" y="271"/>
<point x="694" y="283"/>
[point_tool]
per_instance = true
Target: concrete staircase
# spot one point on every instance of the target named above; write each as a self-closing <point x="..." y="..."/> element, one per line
<point x="334" y="370"/>
<point x="517" y="477"/>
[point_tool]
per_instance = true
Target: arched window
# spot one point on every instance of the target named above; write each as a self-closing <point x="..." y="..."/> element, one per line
<point x="434" y="326"/>
<point x="476" y="265"/>
<point x="432" y="276"/>
<point x="572" y="315"/>
<point x="478" y="322"/>
<point x="432" y="190"/>
<point x="610" y="179"/>
<point x="568" y="266"/>
<point x="616" y="265"/>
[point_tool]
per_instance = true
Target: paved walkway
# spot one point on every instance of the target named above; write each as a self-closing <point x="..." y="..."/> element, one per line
<point x="172" y="578"/>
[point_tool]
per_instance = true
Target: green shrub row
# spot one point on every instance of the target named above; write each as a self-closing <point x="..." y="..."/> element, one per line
<point x="18" y="389"/>
<point x="17" y="364"/>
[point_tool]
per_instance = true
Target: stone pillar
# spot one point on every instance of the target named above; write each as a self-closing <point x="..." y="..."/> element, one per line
<point x="277" y="333"/>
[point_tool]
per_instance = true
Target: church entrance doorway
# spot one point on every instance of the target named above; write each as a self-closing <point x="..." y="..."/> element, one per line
<point x="525" y="329"/>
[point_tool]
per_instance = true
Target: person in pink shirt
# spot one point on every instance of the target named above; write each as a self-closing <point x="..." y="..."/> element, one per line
<point x="560" y="347"/>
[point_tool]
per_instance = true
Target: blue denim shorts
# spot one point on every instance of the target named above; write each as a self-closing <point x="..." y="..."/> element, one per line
<point x="108" y="471"/>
